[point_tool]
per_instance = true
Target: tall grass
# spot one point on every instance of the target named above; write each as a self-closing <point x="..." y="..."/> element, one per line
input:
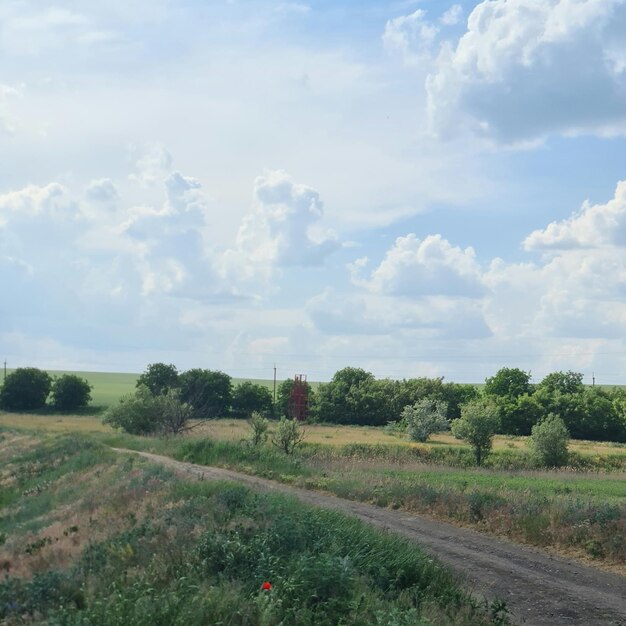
<point x="201" y="552"/>
<point x="568" y="509"/>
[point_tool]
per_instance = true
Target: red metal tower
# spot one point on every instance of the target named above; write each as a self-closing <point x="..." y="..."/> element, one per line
<point x="298" y="407"/>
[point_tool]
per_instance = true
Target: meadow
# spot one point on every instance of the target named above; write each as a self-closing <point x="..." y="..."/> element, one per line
<point x="578" y="511"/>
<point x="91" y="537"/>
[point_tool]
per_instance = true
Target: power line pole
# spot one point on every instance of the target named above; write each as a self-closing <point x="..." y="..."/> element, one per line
<point x="274" y="383"/>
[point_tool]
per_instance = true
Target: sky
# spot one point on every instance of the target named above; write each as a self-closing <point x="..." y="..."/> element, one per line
<point x="418" y="188"/>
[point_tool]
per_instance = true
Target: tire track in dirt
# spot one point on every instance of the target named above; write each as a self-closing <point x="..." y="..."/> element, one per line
<point x="539" y="589"/>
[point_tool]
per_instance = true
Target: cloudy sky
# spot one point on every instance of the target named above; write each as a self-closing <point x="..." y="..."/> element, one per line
<point x="415" y="187"/>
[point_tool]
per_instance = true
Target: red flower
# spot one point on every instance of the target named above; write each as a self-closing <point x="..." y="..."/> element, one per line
<point x="266" y="586"/>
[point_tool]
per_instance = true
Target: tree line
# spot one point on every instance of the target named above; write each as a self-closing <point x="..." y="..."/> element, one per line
<point x="355" y="396"/>
<point x="352" y="396"/>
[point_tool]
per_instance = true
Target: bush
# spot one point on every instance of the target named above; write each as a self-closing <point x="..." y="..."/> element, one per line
<point x="288" y="436"/>
<point x="158" y="378"/>
<point x="548" y="442"/>
<point x="70" y="392"/>
<point x="477" y="425"/>
<point x="249" y="397"/>
<point x="25" y="389"/>
<point x="258" y="429"/>
<point x="424" y="418"/>
<point x="143" y="413"/>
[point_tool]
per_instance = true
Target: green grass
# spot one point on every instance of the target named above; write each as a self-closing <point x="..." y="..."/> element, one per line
<point x="139" y="546"/>
<point x="566" y="510"/>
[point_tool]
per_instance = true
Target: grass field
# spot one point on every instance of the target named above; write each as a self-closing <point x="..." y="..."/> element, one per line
<point x="577" y="512"/>
<point x="330" y="434"/>
<point x="90" y="537"/>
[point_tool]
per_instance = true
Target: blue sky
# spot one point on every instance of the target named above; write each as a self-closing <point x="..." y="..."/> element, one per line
<point x="417" y="188"/>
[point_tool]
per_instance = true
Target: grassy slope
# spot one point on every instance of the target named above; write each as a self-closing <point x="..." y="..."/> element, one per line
<point x="88" y="537"/>
<point x="568" y="510"/>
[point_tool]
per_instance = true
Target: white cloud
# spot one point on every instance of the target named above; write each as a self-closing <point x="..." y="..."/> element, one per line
<point x="153" y="164"/>
<point x="431" y="266"/>
<point x="528" y="68"/>
<point x="452" y="16"/>
<point x="436" y="317"/>
<point x="7" y="119"/>
<point x="282" y="230"/>
<point x="32" y="32"/>
<point x="592" y="227"/>
<point x="413" y="36"/>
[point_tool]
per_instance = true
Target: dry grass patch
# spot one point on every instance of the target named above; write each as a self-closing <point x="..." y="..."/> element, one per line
<point x="55" y="423"/>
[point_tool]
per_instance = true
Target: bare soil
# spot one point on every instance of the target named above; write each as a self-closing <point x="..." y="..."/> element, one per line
<point x="539" y="589"/>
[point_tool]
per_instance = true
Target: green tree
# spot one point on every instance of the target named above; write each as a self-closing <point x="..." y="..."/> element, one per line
<point x="208" y="392"/>
<point x="455" y="395"/>
<point x="479" y="421"/>
<point x="158" y="378"/>
<point x="548" y="442"/>
<point x="564" y="382"/>
<point x="424" y="418"/>
<point x="70" y="392"/>
<point x="353" y="396"/>
<point x="519" y="415"/>
<point x="249" y="397"/>
<point x="25" y="389"/>
<point x="509" y="382"/>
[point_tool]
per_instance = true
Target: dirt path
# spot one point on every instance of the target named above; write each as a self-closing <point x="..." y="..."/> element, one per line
<point x="540" y="590"/>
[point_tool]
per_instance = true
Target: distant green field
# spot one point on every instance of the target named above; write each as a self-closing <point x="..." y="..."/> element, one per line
<point x="109" y="387"/>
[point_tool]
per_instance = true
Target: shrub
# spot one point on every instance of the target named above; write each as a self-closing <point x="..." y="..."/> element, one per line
<point x="258" y="429"/>
<point x="424" y="418"/>
<point x="477" y="425"/>
<point x="143" y="413"/>
<point x="548" y="442"/>
<point x="288" y="436"/>
<point x="249" y="397"/>
<point x="25" y="389"/>
<point x="70" y="392"/>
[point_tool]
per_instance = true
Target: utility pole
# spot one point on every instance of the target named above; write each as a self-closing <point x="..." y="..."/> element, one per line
<point x="274" y="384"/>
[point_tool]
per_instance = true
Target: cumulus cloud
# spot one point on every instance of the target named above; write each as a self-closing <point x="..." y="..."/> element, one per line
<point x="452" y="16"/>
<point x="153" y="164"/>
<point x="567" y="305"/>
<point x="282" y="230"/>
<point x="431" y="266"/>
<point x="437" y="317"/>
<point x="413" y="36"/>
<point x="592" y="227"/>
<point x="525" y="69"/>
<point x="102" y="190"/>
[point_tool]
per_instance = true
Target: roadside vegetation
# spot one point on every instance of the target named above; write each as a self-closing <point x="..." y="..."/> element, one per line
<point x="90" y="537"/>
<point x="512" y="465"/>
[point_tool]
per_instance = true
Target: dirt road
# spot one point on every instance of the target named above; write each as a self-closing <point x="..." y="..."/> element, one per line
<point x="539" y="589"/>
